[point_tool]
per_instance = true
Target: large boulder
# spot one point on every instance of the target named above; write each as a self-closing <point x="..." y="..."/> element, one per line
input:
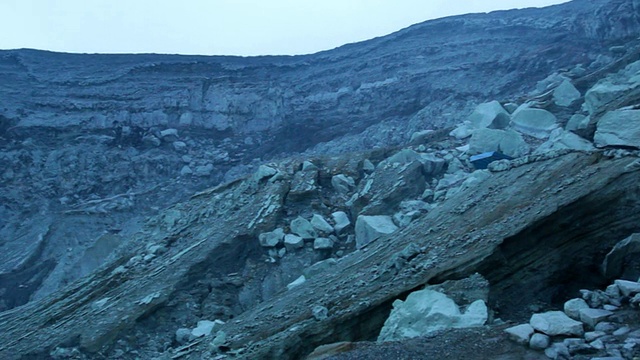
<point x="619" y="128"/>
<point x="427" y="311"/>
<point x="577" y="122"/>
<point x="622" y="258"/>
<point x="603" y="93"/>
<point x="534" y="122"/>
<point x="560" y="139"/>
<point x="555" y="323"/>
<point x="369" y="228"/>
<point x="271" y="239"/>
<point x="489" y="115"/>
<point x="565" y="94"/>
<point x="508" y="142"/>
<point x="303" y="228"/>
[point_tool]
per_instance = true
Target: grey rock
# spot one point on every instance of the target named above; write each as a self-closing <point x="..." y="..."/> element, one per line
<point x="205" y="327"/>
<point x="603" y="93"/>
<point x="520" y="333"/>
<point x="577" y="122"/>
<point x="186" y="171"/>
<point x="621" y="331"/>
<point x="619" y="128"/>
<point x="319" y="268"/>
<point x="420" y="137"/>
<point x="341" y="219"/>
<point x="271" y="239"/>
<point x="557" y="351"/>
<point x="367" y="166"/>
<point x="628" y="288"/>
<point x="169" y="135"/>
<point x="320" y="312"/>
<point x="323" y="244"/>
<point x="342" y="184"/>
<point x="593" y="335"/>
<point x="369" y="228"/>
<point x="204" y="170"/>
<point x="321" y="225"/>
<point x="619" y="258"/>
<point x="431" y="164"/>
<point x="183" y="335"/>
<point x="293" y="242"/>
<point x="427" y="311"/>
<point x="606" y="327"/>
<point x="534" y="122"/>
<point x="539" y="341"/>
<point x="566" y="94"/>
<point x="560" y="140"/>
<point x="489" y="115"/>
<point x="152" y="141"/>
<point x="179" y="146"/>
<point x="309" y="166"/>
<point x="592" y="317"/>
<point x="264" y="171"/>
<point x="555" y="323"/>
<point x="572" y="308"/>
<point x="508" y="142"/>
<point x="297" y="282"/>
<point x="303" y="228"/>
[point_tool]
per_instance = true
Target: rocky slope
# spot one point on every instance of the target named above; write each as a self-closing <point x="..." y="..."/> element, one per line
<point x="94" y="149"/>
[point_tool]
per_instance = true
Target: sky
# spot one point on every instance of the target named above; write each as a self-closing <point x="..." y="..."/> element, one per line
<point x="219" y="27"/>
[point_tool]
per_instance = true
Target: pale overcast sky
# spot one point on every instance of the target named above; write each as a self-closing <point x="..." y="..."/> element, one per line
<point x="219" y="27"/>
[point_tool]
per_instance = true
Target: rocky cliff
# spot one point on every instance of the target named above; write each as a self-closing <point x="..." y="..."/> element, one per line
<point x="96" y="149"/>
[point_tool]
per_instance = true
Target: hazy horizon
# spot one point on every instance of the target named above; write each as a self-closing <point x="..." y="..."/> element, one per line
<point x="220" y="27"/>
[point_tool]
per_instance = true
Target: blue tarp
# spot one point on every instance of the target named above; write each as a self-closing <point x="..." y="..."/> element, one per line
<point x="482" y="161"/>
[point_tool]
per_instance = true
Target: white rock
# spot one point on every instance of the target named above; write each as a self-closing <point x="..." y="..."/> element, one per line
<point x="592" y="317"/>
<point x="539" y="341"/>
<point x="560" y="140"/>
<point x="555" y="323"/>
<point x="293" y="242"/>
<point x="489" y="115"/>
<point x="322" y="244"/>
<point x="566" y="94"/>
<point x="572" y="308"/>
<point x="628" y="288"/>
<point x="320" y="224"/>
<point x="427" y="311"/>
<point x="618" y="128"/>
<point x="205" y="327"/>
<point x="264" y="171"/>
<point x="520" y="333"/>
<point x="577" y="122"/>
<point x="508" y="142"/>
<point x="342" y="221"/>
<point x="602" y="94"/>
<point x="369" y="228"/>
<point x="342" y="184"/>
<point x="303" y="228"/>
<point x="534" y="122"/>
<point x="271" y="239"/>
<point x="297" y="282"/>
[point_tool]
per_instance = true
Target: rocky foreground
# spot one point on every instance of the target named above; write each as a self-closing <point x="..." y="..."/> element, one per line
<point x="506" y="232"/>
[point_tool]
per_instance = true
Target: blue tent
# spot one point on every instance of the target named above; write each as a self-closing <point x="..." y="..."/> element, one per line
<point x="482" y="161"/>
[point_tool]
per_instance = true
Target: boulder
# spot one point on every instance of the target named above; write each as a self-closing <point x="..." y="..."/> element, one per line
<point x="303" y="228"/>
<point x="539" y="341"/>
<point x="293" y="242"/>
<point x="341" y="220"/>
<point x="263" y="172"/>
<point x="555" y="323"/>
<point x="205" y="327"/>
<point x="520" y="333"/>
<point x="420" y="137"/>
<point x="572" y="308"/>
<point x="186" y="171"/>
<point x="508" y="142"/>
<point x="320" y="224"/>
<point x="369" y="228"/>
<point x="323" y="244"/>
<point x="169" y="135"/>
<point x="534" y="122"/>
<point x="628" y="288"/>
<point x="577" y="122"/>
<point x="489" y="115"/>
<point x="204" y="170"/>
<point x="565" y="94"/>
<point x="623" y="254"/>
<point x="462" y="132"/>
<point x="431" y="164"/>
<point x="271" y="239"/>
<point x="427" y="311"/>
<point x="297" y="282"/>
<point x="603" y="93"/>
<point x="618" y="128"/>
<point x="179" y="146"/>
<point x="183" y="335"/>
<point x="342" y="184"/>
<point x="592" y="317"/>
<point x="560" y="139"/>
